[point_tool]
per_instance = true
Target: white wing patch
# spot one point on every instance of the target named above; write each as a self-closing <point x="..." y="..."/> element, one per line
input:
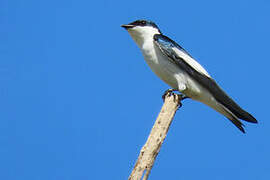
<point x="192" y="62"/>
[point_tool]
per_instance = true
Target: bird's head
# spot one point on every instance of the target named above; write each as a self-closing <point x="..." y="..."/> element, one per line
<point x="142" y="30"/>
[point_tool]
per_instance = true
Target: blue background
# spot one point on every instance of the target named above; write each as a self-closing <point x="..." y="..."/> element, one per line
<point x="77" y="100"/>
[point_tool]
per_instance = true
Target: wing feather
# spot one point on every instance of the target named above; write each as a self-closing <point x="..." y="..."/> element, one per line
<point x="184" y="61"/>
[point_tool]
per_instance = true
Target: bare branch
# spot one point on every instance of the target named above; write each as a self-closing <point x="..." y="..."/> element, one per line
<point x="158" y="133"/>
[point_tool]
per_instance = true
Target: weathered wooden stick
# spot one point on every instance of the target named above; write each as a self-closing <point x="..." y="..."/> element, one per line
<point x="158" y="133"/>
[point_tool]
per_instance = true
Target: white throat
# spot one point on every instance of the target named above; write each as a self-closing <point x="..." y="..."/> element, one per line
<point x="142" y="34"/>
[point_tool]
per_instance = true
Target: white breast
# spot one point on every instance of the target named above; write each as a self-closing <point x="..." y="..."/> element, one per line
<point x="160" y="65"/>
<point x="168" y="71"/>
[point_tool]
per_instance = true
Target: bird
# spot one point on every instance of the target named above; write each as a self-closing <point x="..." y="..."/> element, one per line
<point x="177" y="68"/>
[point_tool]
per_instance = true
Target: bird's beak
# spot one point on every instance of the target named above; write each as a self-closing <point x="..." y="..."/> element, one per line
<point x="127" y="26"/>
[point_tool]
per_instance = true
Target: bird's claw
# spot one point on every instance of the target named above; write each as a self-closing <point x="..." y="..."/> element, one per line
<point x="183" y="96"/>
<point x="168" y="92"/>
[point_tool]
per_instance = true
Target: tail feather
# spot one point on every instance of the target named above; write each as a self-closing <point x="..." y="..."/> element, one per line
<point x="227" y="102"/>
<point x="238" y="111"/>
<point x="238" y="124"/>
<point x="235" y="108"/>
<point x="247" y="117"/>
<point x="233" y="118"/>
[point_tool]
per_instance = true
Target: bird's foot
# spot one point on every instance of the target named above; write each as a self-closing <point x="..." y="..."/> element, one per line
<point x="168" y="92"/>
<point x="182" y="97"/>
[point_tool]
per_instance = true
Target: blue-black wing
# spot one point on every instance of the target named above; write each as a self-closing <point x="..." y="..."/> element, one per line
<point x="168" y="47"/>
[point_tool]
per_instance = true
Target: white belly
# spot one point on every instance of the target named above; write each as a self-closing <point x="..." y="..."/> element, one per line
<point x="174" y="76"/>
<point x="163" y="68"/>
<point x="169" y="72"/>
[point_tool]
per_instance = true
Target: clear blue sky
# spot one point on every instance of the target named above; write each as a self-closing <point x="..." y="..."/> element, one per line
<point x="77" y="100"/>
